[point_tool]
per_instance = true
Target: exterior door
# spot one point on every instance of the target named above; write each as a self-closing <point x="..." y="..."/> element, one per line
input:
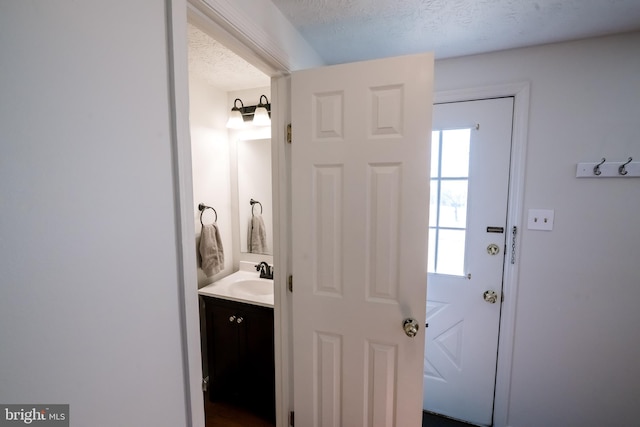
<point x="470" y="157"/>
<point x="360" y="157"/>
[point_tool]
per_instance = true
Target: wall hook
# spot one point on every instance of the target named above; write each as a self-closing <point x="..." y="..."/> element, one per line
<point x="596" y="168"/>
<point x="622" y="170"/>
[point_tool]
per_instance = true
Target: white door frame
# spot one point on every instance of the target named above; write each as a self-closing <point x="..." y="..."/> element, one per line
<point x="178" y="78"/>
<point x="515" y="205"/>
<point x="225" y="24"/>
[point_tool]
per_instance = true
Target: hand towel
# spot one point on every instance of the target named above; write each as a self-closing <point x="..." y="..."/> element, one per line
<point x="211" y="251"/>
<point x="257" y="235"/>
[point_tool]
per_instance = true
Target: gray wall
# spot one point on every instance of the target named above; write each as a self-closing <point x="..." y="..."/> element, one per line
<point x="89" y="296"/>
<point x="577" y="340"/>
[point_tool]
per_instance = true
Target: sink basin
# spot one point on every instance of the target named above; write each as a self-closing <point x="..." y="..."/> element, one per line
<point x="253" y="287"/>
<point x="244" y="286"/>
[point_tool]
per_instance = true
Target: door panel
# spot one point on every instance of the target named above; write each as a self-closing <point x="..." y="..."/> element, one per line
<point x="360" y="157"/>
<point x="472" y="141"/>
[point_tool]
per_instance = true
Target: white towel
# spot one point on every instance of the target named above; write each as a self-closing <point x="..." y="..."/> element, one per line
<point x="211" y="251"/>
<point x="257" y="235"/>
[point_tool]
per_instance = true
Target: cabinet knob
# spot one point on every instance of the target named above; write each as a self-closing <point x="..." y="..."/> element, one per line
<point x="232" y="319"/>
<point x="240" y="319"/>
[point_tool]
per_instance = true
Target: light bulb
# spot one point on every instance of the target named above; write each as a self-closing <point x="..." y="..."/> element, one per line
<point x="261" y="117"/>
<point x="235" y="120"/>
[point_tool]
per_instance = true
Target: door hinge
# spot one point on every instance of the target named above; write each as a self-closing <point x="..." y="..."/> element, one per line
<point x="289" y="133"/>
<point x="290" y="283"/>
<point x="514" y="231"/>
<point x="205" y="384"/>
<point x="291" y="419"/>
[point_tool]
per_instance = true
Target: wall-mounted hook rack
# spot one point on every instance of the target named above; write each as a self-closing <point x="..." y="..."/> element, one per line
<point x="606" y="169"/>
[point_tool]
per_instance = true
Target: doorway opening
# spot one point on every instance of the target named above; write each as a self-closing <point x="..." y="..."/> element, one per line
<point x="222" y="168"/>
<point x="468" y="233"/>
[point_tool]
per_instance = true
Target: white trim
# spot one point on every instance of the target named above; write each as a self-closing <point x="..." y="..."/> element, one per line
<point x="204" y="21"/>
<point x="178" y="79"/>
<point x="227" y="14"/>
<point x="241" y="44"/>
<point x="516" y="208"/>
<point x="283" y="49"/>
<point x="281" y="185"/>
<point x="520" y="92"/>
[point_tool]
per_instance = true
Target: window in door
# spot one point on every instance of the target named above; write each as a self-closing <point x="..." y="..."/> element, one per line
<point x="448" y="205"/>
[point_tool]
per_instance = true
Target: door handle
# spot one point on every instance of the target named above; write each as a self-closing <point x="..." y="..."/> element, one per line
<point x="410" y="327"/>
<point x="490" y="296"/>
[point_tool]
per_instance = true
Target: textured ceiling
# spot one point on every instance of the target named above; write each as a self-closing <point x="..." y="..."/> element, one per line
<point x="213" y="63"/>
<point x="349" y="30"/>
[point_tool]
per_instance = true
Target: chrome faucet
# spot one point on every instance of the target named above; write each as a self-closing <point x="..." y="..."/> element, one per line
<point x="266" y="271"/>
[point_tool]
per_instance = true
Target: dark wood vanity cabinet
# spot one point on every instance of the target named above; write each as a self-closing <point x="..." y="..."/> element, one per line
<point x="241" y="355"/>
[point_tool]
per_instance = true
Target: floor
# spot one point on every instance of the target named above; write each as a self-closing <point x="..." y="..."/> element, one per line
<point x="433" y="420"/>
<point x="225" y="415"/>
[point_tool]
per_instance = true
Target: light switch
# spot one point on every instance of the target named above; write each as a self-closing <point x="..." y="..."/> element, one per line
<point x="540" y="219"/>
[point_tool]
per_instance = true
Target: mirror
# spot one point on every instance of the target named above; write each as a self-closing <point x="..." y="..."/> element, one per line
<point x="254" y="183"/>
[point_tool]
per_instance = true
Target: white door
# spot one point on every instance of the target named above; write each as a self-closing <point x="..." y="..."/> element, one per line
<point x="471" y="149"/>
<point x="360" y="157"/>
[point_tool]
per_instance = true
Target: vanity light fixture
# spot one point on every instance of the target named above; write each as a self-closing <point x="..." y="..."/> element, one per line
<point x="236" y="120"/>
<point x="261" y="115"/>
<point x="258" y="115"/>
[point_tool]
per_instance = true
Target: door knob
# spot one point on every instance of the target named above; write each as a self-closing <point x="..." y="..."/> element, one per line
<point x="493" y="249"/>
<point x="490" y="296"/>
<point x="410" y="327"/>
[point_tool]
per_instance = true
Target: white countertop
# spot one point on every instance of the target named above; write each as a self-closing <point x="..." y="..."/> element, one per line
<point x="223" y="288"/>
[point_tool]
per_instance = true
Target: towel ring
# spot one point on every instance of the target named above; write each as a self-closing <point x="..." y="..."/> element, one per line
<point x="202" y="207"/>
<point x="253" y="203"/>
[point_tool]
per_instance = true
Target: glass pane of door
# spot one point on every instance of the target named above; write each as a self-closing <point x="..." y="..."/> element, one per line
<point x="448" y="204"/>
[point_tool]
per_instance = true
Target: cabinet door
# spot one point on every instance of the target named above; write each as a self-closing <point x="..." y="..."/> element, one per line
<point x="258" y="357"/>
<point x="241" y="355"/>
<point x="222" y="344"/>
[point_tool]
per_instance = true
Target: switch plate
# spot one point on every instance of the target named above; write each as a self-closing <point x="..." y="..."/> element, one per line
<point x="540" y="219"/>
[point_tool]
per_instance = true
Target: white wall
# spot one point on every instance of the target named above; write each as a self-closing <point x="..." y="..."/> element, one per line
<point x="89" y="288"/>
<point x="577" y="340"/>
<point x="208" y="113"/>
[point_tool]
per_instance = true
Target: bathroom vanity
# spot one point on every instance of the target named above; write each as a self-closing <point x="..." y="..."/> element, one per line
<point x="240" y="342"/>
